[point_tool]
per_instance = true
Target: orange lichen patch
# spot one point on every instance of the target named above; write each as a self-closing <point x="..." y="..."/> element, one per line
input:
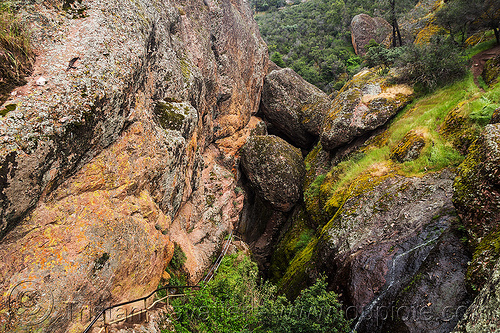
<point x="98" y="228"/>
<point x="390" y="93"/>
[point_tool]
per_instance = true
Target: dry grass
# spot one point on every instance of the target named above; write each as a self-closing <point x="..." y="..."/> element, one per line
<point x="16" y="54"/>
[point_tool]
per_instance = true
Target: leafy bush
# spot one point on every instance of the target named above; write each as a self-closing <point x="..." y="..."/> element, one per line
<point x="437" y="63"/>
<point x="225" y="304"/>
<point x="234" y="301"/>
<point x="315" y="310"/>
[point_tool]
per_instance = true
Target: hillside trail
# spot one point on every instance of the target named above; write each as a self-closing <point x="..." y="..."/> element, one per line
<point x="480" y="59"/>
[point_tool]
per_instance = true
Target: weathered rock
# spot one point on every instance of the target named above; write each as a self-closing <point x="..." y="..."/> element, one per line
<point x="484" y="315"/>
<point x="408" y="149"/>
<point x="389" y="230"/>
<point x="275" y="169"/>
<point x="127" y="62"/>
<point x="477" y="198"/>
<point x="100" y="237"/>
<point x="107" y="163"/>
<point x="365" y="28"/>
<point x="294" y="106"/>
<point x="364" y="103"/>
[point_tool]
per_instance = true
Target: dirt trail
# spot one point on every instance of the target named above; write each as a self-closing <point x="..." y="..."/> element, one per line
<point x="480" y="59"/>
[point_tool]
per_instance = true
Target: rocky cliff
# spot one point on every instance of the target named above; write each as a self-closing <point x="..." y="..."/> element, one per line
<point x="121" y="150"/>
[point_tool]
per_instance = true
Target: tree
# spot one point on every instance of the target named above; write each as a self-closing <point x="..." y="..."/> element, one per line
<point x="460" y="16"/>
<point x="277" y="58"/>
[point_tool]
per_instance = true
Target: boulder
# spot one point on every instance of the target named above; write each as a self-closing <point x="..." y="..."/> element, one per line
<point x="495" y="118"/>
<point x="491" y="70"/>
<point x="294" y="106"/>
<point x="390" y="249"/>
<point x="365" y="28"/>
<point x="365" y="103"/>
<point x="275" y="170"/>
<point x="477" y="198"/>
<point x="408" y="149"/>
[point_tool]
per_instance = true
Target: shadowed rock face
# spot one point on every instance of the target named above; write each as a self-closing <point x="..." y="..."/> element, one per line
<point x="365" y="103"/>
<point x="275" y="170"/>
<point x="365" y="28"/>
<point x="294" y="106"/>
<point x="389" y="246"/>
<point x="108" y="163"/>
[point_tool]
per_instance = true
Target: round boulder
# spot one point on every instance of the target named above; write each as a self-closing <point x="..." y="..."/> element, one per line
<point x="294" y="106"/>
<point x="275" y="169"/>
<point x="365" y="28"/>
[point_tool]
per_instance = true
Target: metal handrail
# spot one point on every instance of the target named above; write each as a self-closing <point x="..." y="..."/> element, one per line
<point x="217" y="262"/>
<point x="133" y="301"/>
<point x="209" y="276"/>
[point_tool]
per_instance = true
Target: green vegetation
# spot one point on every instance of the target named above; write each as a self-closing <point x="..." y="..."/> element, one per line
<point x="16" y="54"/>
<point x="178" y="258"/>
<point x="313" y="37"/>
<point x="234" y="301"/>
<point x="315" y="310"/>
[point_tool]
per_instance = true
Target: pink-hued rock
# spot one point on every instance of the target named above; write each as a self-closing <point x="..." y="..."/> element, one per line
<point x="365" y="28"/>
<point x="109" y="163"/>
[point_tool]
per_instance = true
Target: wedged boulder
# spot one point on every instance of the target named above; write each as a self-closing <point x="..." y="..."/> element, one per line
<point x="294" y="106"/>
<point x="477" y="198"/>
<point x="365" y="103"/>
<point x="275" y="169"/>
<point x="365" y="28"/>
<point x="392" y="240"/>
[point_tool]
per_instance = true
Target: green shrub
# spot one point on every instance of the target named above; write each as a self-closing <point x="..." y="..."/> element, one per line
<point x="228" y="303"/>
<point x="178" y="258"/>
<point x="315" y="310"/>
<point x="435" y="64"/>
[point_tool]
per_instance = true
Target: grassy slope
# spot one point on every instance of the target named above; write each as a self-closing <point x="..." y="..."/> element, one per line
<point x="449" y="119"/>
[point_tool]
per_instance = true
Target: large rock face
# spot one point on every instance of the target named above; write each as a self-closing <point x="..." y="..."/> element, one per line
<point x="294" y="106"/>
<point x="365" y="28"/>
<point x="477" y="198"/>
<point x="365" y="103"/>
<point x="392" y="252"/>
<point x="484" y="315"/>
<point x="124" y="144"/>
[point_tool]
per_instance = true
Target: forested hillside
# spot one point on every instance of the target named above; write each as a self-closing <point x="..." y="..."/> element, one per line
<point x="313" y="37"/>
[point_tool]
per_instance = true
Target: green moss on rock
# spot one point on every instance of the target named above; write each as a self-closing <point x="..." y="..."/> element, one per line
<point x="491" y="71"/>
<point x="170" y="115"/>
<point x="409" y="147"/>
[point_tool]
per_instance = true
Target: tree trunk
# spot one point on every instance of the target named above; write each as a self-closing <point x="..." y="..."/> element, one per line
<point x="399" y="34"/>
<point x="497" y="35"/>
<point x="393" y="12"/>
